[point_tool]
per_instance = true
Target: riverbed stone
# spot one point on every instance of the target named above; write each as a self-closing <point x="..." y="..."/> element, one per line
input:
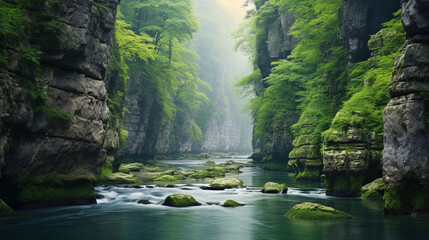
<point x="131" y="167"/>
<point x="231" y="203"/>
<point x="315" y="211"/>
<point x="223" y="183"/>
<point x="180" y="200"/>
<point x="121" y="178"/>
<point x="376" y="185"/>
<point x="272" y="187"/>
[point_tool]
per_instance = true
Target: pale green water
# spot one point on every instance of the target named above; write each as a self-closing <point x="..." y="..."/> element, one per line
<point x="118" y="216"/>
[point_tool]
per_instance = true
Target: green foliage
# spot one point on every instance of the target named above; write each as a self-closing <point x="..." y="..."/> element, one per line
<point x="369" y="82"/>
<point x="150" y="45"/>
<point x="29" y="27"/>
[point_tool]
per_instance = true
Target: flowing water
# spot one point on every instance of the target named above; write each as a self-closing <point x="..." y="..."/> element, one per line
<point x="119" y="216"/>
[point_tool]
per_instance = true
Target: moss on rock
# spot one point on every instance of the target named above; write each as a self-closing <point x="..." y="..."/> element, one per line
<point x="406" y="199"/>
<point x="371" y="194"/>
<point x="180" y="200"/>
<point x="231" y="203"/>
<point x="131" y="167"/>
<point x="121" y="178"/>
<point x="315" y="211"/>
<point x="223" y="183"/>
<point x="344" y="183"/>
<point x="165" y="178"/>
<point x="5" y="210"/>
<point x="168" y="176"/>
<point x="272" y="187"/>
<point x="373" y="190"/>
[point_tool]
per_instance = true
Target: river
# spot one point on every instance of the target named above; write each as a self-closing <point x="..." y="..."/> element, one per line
<point x="119" y="216"/>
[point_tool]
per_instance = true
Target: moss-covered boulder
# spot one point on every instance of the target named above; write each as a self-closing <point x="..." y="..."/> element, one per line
<point x="272" y="187"/>
<point x="168" y="176"/>
<point x="130" y="167"/>
<point x="373" y="190"/>
<point x="315" y="211"/>
<point x="371" y="194"/>
<point x="5" y="210"/>
<point x="232" y="203"/>
<point x="180" y="200"/>
<point x="165" y="178"/>
<point x="223" y="183"/>
<point x="209" y="163"/>
<point x="121" y="178"/>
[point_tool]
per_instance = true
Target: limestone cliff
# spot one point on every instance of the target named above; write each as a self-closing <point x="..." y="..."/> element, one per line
<point x="406" y="127"/>
<point x="361" y="18"/>
<point x="274" y="43"/>
<point x="53" y="156"/>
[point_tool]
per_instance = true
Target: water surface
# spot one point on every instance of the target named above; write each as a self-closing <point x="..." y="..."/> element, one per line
<point x="119" y="216"/>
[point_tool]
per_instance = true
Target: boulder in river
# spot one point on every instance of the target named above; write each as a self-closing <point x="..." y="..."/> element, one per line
<point x="144" y="201"/>
<point x="223" y="183"/>
<point x="315" y="211"/>
<point x="232" y="203"/>
<point x="272" y="187"/>
<point x="121" y="178"/>
<point x="130" y="167"/>
<point x="373" y="190"/>
<point x="180" y="200"/>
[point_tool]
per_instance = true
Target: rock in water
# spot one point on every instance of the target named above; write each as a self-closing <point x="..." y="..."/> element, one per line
<point x="144" y="201"/>
<point x="223" y="183"/>
<point x="373" y="190"/>
<point x="232" y="203"/>
<point x="315" y="211"/>
<point x="272" y="187"/>
<point x="131" y="167"/>
<point x="5" y="210"/>
<point x="180" y="200"/>
<point x="122" y="178"/>
<point x="406" y="122"/>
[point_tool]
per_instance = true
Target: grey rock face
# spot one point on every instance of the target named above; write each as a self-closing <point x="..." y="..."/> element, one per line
<point x="33" y="144"/>
<point x="143" y="121"/>
<point x="406" y="126"/>
<point x="361" y="18"/>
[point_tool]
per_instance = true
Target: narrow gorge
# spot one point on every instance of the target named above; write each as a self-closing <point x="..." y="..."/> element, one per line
<point x="123" y="110"/>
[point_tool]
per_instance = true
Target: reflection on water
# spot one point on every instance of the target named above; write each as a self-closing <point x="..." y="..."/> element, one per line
<point x="119" y="216"/>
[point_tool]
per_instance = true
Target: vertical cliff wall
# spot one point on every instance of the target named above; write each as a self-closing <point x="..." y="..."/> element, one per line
<point x="361" y="18"/>
<point x="52" y="156"/>
<point x="406" y="121"/>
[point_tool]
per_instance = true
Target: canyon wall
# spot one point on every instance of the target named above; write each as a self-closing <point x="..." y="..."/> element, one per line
<point x="51" y="153"/>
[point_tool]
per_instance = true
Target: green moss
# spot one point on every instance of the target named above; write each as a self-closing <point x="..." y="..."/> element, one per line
<point x="222" y="183"/>
<point x="344" y="183"/>
<point x="209" y="163"/>
<point x="314" y="211"/>
<point x="121" y="178"/>
<point x="39" y="193"/>
<point x="180" y="200"/>
<point x="5" y="210"/>
<point x="232" y="203"/>
<point x="106" y="169"/>
<point x="168" y="176"/>
<point x="165" y="178"/>
<point x="371" y="194"/>
<point x="272" y="187"/>
<point x="131" y="167"/>
<point x="406" y="199"/>
<point x="310" y="174"/>
<point x="56" y="116"/>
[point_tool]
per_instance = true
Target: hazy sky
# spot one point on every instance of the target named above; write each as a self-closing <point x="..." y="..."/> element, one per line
<point x="235" y="7"/>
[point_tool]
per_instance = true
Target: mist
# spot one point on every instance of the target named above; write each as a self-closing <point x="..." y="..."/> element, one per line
<point x="221" y="67"/>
